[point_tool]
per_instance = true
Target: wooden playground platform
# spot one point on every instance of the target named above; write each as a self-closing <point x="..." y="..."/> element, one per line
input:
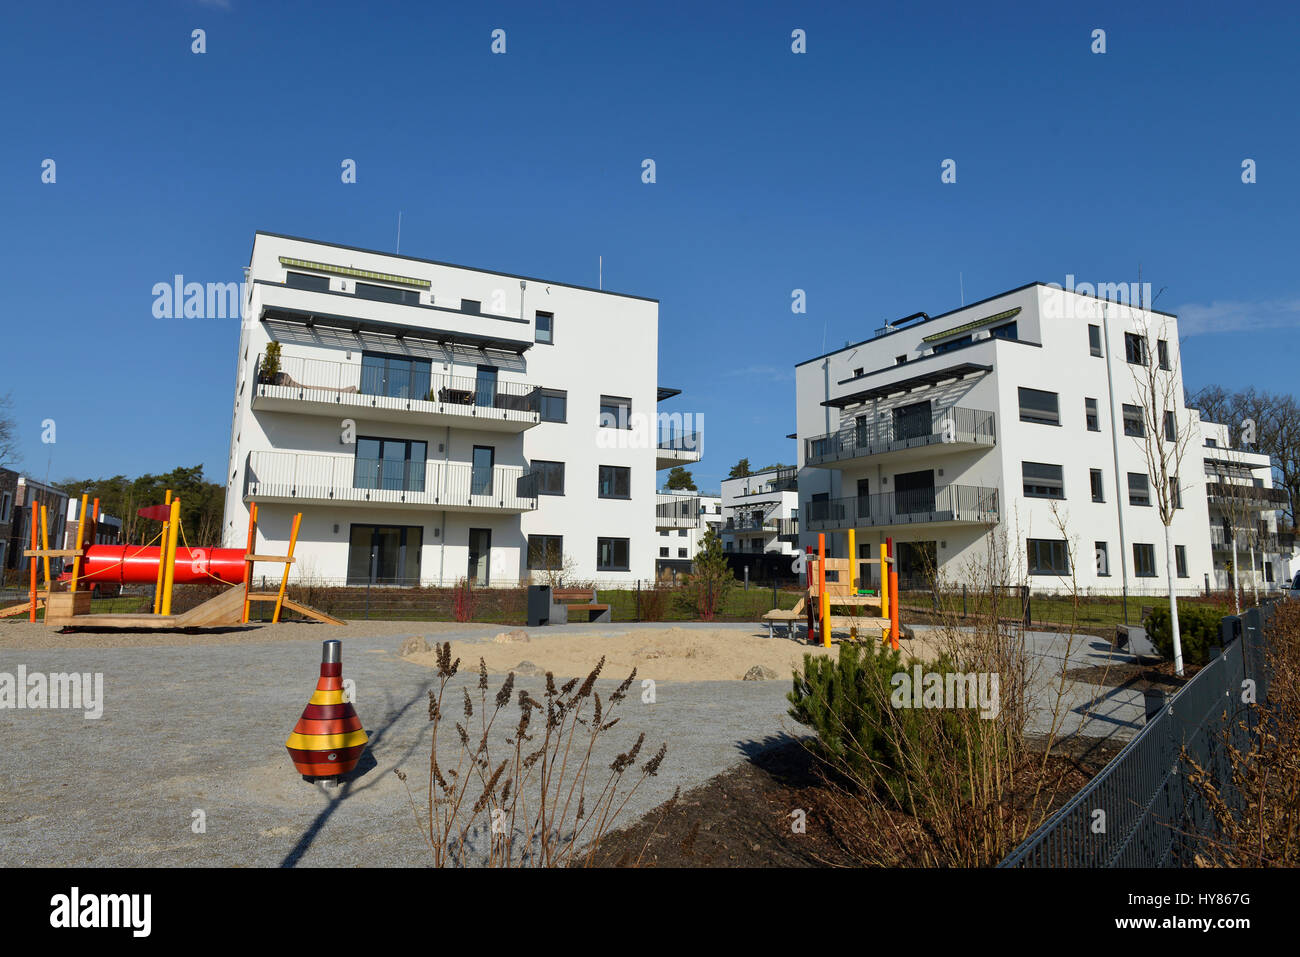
<point x="833" y="602"/>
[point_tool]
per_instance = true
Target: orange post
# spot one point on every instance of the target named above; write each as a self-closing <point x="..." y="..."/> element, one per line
<point x="36" y="512"/>
<point x="76" y="559"/>
<point x="252" y="544"/>
<point x="162" y="554"/>
<point x="284" y="579"/>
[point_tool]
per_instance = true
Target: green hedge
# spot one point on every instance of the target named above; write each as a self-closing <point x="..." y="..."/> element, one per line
<point x="1198" y="629"/>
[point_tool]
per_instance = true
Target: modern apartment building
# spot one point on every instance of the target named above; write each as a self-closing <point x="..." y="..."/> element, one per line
<point x="761" y="513"/>
<point x="434" y="422"/>
<point x="681" y="520"/>
<point x="1020" y="416"/>
<point x="17" y="492"/>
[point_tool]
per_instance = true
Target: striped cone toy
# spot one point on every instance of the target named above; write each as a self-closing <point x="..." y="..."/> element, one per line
<point x="328" y="739"/>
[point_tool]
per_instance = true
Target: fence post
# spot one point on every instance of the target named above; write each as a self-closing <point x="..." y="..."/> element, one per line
<point x="1024" y="594"/>
<point x="963" y="600"/>
<point x="367" y="612"/>
<point x="638" y="599"/>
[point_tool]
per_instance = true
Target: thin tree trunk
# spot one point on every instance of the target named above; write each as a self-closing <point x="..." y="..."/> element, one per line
<point x="1236" y="586"/>
<point x="1173" y="604"/>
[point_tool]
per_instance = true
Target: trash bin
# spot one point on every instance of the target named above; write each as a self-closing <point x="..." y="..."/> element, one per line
<point x="539" y="605"/>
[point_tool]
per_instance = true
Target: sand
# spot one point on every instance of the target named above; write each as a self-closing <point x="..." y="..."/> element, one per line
<point x="664" y="654"/>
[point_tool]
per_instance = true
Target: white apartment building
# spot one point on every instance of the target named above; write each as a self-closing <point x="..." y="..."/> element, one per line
<point x="434" y="422"/>
<point x="761" y="513"/>
<point x="1013" y="415"/>
<point x="681" y="519"/>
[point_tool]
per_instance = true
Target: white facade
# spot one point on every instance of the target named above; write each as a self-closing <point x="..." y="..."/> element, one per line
<point x="427" y="419"/>
<point x="923" y="434"/>
<point x="682" y="517"/>
<point x="760" y="513"/>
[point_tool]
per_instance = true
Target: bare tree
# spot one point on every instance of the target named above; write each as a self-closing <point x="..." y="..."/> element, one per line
<point x="1166" y="437"/>
<point x="9" y="453"/>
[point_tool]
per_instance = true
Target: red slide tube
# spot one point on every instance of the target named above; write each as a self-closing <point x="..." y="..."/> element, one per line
<point x="138" y="565"/>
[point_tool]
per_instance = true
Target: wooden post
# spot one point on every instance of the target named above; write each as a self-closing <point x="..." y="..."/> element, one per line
<point x="162" y="561"/>
<point x="825" y="601"/>
<point x="36" y="514"/>
<point x="45" y="544"/>
<point x="252" y="544"/>
<point x="284" y="580"/>
<point x="81" y="531"/>
<point x="169" y="556"/>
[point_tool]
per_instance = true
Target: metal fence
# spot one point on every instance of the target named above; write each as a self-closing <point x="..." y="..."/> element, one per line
<point x="1142" y="809"/>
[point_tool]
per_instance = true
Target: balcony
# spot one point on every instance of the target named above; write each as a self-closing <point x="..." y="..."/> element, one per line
<point x="1246" y="496"/>
<point x="1275" y="542"/>
<point x="787" y="529"/>
<point x="677" y="511"/>
<point x="956" y="429"/>
<point x="324" y="387"/>
<point x="317" y="479"/>
<point x="765" y="525"/>
<point x="772" y="483"/>
<point x="946" y="505"/>
<point x="678" y="449"/>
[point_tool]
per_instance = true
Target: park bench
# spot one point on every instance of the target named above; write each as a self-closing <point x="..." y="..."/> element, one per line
<point x="790" y="618"/>
<point x="565" y="600"/>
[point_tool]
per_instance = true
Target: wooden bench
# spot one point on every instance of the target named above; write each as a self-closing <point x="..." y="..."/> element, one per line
<point x="565" y="600"/>
<point x="791" y="619"/>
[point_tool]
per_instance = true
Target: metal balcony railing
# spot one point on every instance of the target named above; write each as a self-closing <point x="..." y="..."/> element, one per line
<point x="406" y="385"/>
<point x="1221" y="538"/>
<point x="948" y="503"/>
<point x="346" y="478"/>
<point x="1250" y="496"/>
<point x="677" y="511"/>
<point x="889" y="433"/>
<point x="777" y="480"/>
<point x="787" y="528"/>
<point x="680" y="442"/>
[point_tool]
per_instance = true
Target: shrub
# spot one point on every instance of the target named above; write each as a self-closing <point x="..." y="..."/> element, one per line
<point x="653" y="601"/>
<point x="464" y="600"/>
<point x="1198" y="629"/>
<point x="706" y="589"/>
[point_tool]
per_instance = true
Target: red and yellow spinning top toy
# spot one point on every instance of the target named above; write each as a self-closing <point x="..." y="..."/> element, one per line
<point x="328" y="739"/>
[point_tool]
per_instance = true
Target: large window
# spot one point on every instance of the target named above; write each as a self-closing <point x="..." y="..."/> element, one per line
<point x="1005" y="331"/>
<point x="392" y="464"/>
<point x="1175" y="492"/>
<point x="1094" y="340"/>
<point x="395" y="376"/>
<point x="550" y="477"/>
<point x="951" y="344"/>
<point x="545" y="552"/>
<point x="1139" y="489"/>
<point x="1135" y="348"/>
<point x="912" y="421"/>
<point x="480" y="473"/>
<point x="545" y="328"/>
<point x="1098" y="491"/>
<point x="1162" y="354"/>
<point x="553" y="404"/>
<point x="384" y="554"/>
<point x="615" y="412"/>
<point x="1090" y="415"/>
<point x="1144" y="560"/>
<point x="615" y="482"/>
<point x="1180" y="560"/>
<point x="1048" y="556"/>
<point x="301" y="280"/>
<point x="1171" y="427"/>
<point x="1133" y="421"/>
<point x="1039" y="406"/>
<point x="1042" y="480"/>
<point x="612" y="554"/>
<point x="1102" y="551"/>
<point x="406" y="297"/>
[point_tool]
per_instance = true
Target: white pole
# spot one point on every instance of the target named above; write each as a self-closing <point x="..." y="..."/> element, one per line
<point x="1173" y="605"/>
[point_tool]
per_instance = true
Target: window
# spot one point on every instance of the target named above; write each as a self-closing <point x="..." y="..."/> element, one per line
<point x="1005" y="331"/>
<point x="406" y="297"/>
<point x="899" y="360"/>
<point x="553" y="404"/>
<point x="1101" y="550"/>
<point x="550" y="477"/>
<point x="1175" y="493"/>
<point x="1171" y="427"/>
<point x="1094" y="340"/>
<point x="6" y="504"/>
<point x="681" y="533"/>
<point x="395" y="376"/>
<point x="472" y="306"/>
<point x="663" y="551"/>
<point x="1090" y="415"/>
<point x="301" y="280"/>
<point x="1139" y="491"/>
<point x="857" y="372"/>
<point x="1133" y="421"/>
<point x="1211" y="443"/>
<point x="1162" y="354"/>
<point x="612" y="554"/>
<point x="1144" y="560"/>
<point x="1268" y="572"/>
<point x="480" y="472"/>
<point x="392" y="464"/>
<point x="951" y="344"/>
<point x="681" y="553"/>
<point x="1043" y="481"/>
<point x="1135" y="349"/>
<point x="384" y="554"/>
<point x="912" y="421"/>
<point x="615" y="412"/>
<point x="1048" y="556"/>
<point x="1039" y="406"/>
<point x="615" y="482"/>
<point x="1180" y="560"/>
<point x="546" y="552"/>
<point x="544" y="327"/>
<point x="1098" y="492"/>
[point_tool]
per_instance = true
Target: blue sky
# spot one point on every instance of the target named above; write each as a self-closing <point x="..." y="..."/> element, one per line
<point x="775" y="171"/>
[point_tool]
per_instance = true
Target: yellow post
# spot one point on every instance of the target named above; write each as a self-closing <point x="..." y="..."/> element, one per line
<point x="825" y="603"/>
<point x="884" y="588"/>
<point x="284" y="580"/>
<point x="45" y="545"/>
<point x="169" y="556"/>
<point x="81" y="530"/>
<point x="162" y="561"/>
<point x="853" y="562"/>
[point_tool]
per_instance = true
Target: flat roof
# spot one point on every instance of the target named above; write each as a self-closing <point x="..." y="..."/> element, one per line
<point x="438" y="262"/>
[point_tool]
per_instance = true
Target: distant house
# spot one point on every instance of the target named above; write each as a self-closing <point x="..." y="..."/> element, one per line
<point x="108" y="529"/>
<point x="17" y="530"/>
<point x="8" y="498"/>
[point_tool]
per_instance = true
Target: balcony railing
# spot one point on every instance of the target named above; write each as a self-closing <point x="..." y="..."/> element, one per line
<point x="349" y="479"/>
<point x="778" y="480"/>
<point x="1221" y="538"/>
<point x="890" y="433"/>
<point x="787" y="529"/>
<point x="677" y="511"/>
<point x="680" y="442"/>
<point x="1250" y="496"/>
<point x="750" y="524"/>
<point x="415" y="388"/>
<point x="949" y="503"/>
